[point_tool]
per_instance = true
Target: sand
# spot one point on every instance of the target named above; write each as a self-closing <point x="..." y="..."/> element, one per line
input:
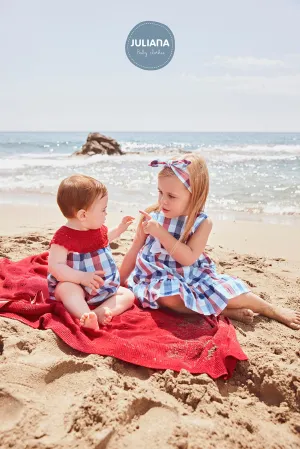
<point x="54" y="397"/>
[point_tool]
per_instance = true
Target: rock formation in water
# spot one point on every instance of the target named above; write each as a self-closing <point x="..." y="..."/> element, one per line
<point x="97" y="143"/>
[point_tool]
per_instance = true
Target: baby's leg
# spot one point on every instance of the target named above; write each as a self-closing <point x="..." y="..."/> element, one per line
<point x="253" y="302"/>
<point x="115" y="305"/>
<point x="72" y="297"/>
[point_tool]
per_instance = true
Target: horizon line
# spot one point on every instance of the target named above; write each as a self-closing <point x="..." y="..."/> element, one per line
<point x="142" y="131"/>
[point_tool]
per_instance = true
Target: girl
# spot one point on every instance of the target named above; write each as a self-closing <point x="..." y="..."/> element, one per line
<point x="167" y="259"/>
<point x="80" y="255"/>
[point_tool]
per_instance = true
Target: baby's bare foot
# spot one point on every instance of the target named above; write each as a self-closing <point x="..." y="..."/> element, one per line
<point x="244" y="315"/>
<point x="287" y="316"/>
<point x="89" y="320"/>
<point x="104" y="315"/>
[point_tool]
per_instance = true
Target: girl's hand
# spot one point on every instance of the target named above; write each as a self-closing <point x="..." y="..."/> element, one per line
<point x="92" y="279"/>
<point x="125" y="223"/>
<point x="150" y="226"/>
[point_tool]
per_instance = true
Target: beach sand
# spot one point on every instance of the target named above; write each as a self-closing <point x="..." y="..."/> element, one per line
<point x="54" y="397"/>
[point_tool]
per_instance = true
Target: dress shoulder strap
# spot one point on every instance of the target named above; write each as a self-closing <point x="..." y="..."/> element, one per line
<point x="199" y="219"/>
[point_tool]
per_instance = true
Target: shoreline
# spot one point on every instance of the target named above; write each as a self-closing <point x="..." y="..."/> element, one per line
<point x="45" y="200"/>
<point x="246" y="237"/>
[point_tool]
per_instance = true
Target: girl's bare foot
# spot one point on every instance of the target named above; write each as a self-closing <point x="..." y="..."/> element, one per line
<point x="104" y="315"/>
<point x="244" y="315"/>
<point x="89" y="321"/>
<point x="286" y="316"/>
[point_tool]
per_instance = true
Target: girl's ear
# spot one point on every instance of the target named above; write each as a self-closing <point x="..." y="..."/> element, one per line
<point x="81" y="215"/>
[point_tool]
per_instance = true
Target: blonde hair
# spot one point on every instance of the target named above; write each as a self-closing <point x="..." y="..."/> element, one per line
<point x="199" y="181"/>
<point x="78" y="192"/>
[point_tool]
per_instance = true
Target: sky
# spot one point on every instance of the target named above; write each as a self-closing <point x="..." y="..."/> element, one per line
<point x="236" y="66"/>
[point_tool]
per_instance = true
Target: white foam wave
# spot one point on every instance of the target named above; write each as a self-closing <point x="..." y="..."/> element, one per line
<point x="28" y="187"/>
<point x="229" y="158"/>
<point x="67" y="160"/>
<point x="133" y="146"/>
<point x="266" y="209"/>
<point x="142" y="146"/>
<point x="51" y="154"/>
<point x="277" y="209"/>
<point x="49" y="188"/>
<point x="259" y="148"/>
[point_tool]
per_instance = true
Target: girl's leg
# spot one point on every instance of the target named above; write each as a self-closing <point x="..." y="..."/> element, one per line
<point x="72" y="297"/>
<point x="174" y="303"/>
<point x="253" y="302"/>
<point x="242" y="308"/>
<point x="243" y="315"/>
<point x="115" y="305"/>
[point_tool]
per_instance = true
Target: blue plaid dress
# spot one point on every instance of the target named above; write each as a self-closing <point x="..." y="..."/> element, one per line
<point x="157" y="274"/>
<point x="98" y="257"/>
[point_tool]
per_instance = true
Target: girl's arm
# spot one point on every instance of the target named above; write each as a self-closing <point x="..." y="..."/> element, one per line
<point x="187" y="253"/>
<point x="183" y="253"/>
<point x="129" y="260"/>
<point x="57" y="266"/>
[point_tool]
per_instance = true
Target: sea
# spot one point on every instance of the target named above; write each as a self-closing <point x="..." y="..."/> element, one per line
<point x="253" y="176"/>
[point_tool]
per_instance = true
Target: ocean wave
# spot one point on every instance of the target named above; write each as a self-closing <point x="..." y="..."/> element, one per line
<point x="138" y="185"/>
<point x="129" y="200"/>
<point x="67" y="161"/>
<point x="146" y="146"/>
<point x="39" y="188"/>
<point x="257" y="209"/>
<point x="55" y="159"/>
<point x="33" y="145"/>
<point x="235" y="157"/>
<point x="256" y="177"/>
<point x="259" y="148"/>
<point x="48" y="155"/>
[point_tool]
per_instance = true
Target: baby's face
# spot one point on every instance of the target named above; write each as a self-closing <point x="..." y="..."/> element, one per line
<point x="173" y="196"/>
<point x="96" y="214"/>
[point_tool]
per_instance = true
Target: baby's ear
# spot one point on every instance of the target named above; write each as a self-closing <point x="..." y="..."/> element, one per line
<point x="81" y="214"/>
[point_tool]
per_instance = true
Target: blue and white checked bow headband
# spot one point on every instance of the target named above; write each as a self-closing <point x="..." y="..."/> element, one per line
<point x="179" y="168"/>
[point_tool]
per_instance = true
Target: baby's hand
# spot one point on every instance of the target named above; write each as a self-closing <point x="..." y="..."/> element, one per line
<point x="150" y="226"/>
<point x="125" y="223"/>
<point x="92" y="279"/>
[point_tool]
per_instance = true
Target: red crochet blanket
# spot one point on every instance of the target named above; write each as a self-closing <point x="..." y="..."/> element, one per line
<point x="150" y="338"/>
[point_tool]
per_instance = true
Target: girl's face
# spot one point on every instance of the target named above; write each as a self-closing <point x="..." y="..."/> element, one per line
<point x="96" y="214"/>
<point x="173" y="196"/>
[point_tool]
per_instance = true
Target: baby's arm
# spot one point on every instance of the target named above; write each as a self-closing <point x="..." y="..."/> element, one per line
<point x="115" y="233"/>
<point x="129" y="260"/>
<point x="57" y="266"/>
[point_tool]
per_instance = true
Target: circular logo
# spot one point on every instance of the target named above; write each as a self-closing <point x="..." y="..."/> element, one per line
<point x="150" y="45"/>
